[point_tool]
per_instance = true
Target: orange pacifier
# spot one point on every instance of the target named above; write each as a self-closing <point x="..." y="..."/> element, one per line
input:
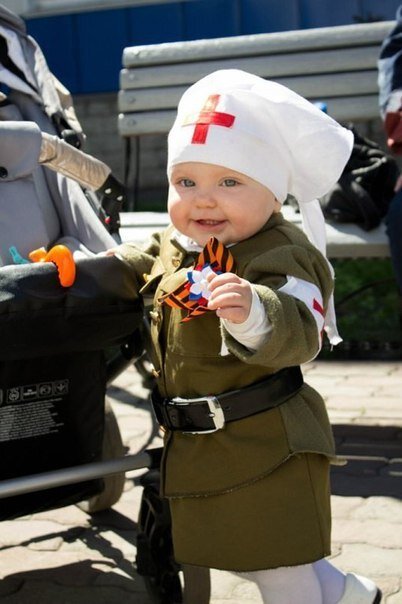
<point x="63" y="259"/>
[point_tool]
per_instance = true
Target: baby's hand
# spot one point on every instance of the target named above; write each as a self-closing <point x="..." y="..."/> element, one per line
<point x="231" y="296"/>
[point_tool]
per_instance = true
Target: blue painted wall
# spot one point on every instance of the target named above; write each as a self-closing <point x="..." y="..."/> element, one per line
<point x="84" y="49"/>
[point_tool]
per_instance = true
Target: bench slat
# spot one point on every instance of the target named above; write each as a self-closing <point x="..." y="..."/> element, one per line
<point x="272" y="66"/>
<point x="343" y="240"/>
<point x="236" y="46"/>
<point x="356" y="108"/>
<point x="312" y="87"/>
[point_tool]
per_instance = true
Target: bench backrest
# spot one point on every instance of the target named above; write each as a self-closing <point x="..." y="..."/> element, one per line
<point x="336" y="65"/>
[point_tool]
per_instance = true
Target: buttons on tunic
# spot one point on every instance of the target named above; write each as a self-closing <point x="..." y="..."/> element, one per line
<point x="176" y="261"/>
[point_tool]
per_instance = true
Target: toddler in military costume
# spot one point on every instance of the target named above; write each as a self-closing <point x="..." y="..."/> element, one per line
<point x="241" y="299"/>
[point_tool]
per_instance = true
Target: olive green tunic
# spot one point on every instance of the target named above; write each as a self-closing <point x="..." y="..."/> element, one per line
<point x="254" y="495"/>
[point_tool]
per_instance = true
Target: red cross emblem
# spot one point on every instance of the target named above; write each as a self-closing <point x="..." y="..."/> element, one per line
<point x="317" y="306"/>
<point x="207" y="117"/>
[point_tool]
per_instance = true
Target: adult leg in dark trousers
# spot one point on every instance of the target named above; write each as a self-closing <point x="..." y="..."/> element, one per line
<point x="394" y="231"/>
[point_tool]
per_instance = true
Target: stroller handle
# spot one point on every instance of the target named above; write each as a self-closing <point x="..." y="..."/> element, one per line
<point x="89" y="172"/>
<point x="58" y="155"/>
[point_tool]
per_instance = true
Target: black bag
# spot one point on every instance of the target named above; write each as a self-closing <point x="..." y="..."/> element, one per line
<point x="365" y="188"/>
<point x="51" y="417"/>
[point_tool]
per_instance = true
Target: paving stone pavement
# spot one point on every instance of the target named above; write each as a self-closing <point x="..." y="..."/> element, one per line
<point x="70" y="557"/>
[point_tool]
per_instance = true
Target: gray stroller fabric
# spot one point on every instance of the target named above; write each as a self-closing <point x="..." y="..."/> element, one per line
<point x="38" y="207"/>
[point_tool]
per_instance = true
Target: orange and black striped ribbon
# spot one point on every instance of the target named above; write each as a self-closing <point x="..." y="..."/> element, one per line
<point x="218" y="257"/>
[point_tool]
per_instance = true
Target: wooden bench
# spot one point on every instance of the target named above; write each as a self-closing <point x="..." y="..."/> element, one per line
<point x="336" y="65"/>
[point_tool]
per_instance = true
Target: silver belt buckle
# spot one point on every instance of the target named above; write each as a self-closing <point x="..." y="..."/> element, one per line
<point x="215" y="412"/>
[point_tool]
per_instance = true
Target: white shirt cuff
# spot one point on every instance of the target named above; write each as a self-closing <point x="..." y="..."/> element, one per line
<point x="254" y="330"/>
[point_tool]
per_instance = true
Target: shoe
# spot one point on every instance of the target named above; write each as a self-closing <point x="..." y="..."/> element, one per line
<point x="359" y="590"/>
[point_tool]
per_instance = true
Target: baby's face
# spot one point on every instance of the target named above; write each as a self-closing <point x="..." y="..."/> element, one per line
<point x="208" y="200"/>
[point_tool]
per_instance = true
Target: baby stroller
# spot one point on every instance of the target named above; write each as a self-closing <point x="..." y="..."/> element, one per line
<point x="61" y="344"/>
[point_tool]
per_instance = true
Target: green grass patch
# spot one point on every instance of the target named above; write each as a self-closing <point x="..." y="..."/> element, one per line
<point x="368" y="309"/>
<point x="152" y="205"/>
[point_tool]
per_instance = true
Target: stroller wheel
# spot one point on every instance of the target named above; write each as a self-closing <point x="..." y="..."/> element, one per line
<point x="164" y="590"/>
<point x="154" y="560"/>
<point x="114" y="484"/>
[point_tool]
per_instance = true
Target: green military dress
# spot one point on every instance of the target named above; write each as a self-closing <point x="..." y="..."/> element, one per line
<point x="254" y="495"/>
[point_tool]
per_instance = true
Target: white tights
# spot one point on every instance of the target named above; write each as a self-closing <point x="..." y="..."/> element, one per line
<point x="317" y="583"/>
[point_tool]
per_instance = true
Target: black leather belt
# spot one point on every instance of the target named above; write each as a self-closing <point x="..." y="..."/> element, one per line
<point x="211" y="413"/>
